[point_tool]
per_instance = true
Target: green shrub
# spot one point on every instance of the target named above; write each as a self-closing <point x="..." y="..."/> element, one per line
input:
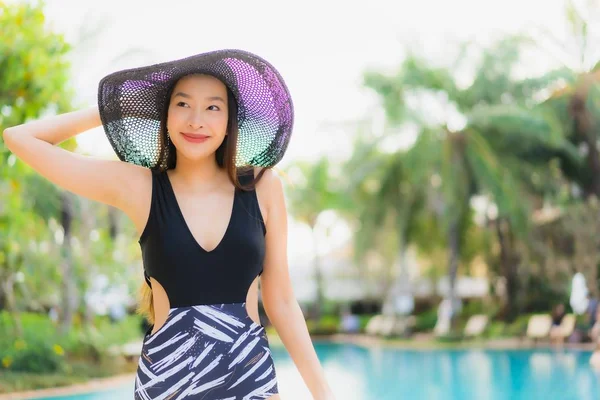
<point x="495" y="329"/>
<point x="38" y="357"/>
<point x="453" y="337"/>
<point x="327" y="325"/>
<point x="85" y="345"/>
<point x="40" y="336"/>
<point x="426" y="321"/>
<point x="363" y="320"/>
<point x="473" y="307"/>
<point x="519" y="326"/>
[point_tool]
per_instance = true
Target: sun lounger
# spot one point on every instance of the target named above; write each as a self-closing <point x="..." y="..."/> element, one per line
<point x="374" y="325"/>
<point x="539" y="326"/>
<point x="442" y="327"/>
<point x="476" y="325"/>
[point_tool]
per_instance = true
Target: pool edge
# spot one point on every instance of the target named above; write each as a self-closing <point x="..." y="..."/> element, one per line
<point x="92" y="385"/>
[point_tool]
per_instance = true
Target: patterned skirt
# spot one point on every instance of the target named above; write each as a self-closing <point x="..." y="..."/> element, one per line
<point x="206" y="352"/>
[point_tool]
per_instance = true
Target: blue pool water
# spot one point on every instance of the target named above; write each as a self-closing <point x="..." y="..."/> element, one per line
<point x="358" y="373"/>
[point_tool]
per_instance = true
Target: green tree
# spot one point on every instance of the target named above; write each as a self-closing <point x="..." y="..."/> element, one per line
<point x="33" y="81"/>
<point x="314" y="191"/>
<point x="574" y="90"/>
<point x="453" y="163"/>
<point x="384" y="194"/>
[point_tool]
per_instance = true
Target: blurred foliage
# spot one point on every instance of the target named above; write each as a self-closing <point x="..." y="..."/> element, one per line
<point x="38" y="357"/>
<point x="34" y="82"/>
<point x="34" y="71"/>
<point x="42" y="349"/>
<point x="426" y="321"/>
<point x="313" y="191"/>
<point x="519" y="145"/>
<point x="523" y="146"/>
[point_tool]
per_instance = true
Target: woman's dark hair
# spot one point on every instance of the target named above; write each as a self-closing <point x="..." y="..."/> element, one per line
<point x="225" y="156"/>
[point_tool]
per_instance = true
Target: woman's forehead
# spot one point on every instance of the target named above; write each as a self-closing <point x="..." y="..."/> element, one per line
<point x="200" y="83"/>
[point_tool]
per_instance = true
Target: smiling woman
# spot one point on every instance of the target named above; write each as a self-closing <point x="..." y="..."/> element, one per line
<point x="196" y="138"/>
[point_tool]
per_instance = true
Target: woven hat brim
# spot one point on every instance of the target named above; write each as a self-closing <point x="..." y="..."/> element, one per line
<point x="131" y="103"/>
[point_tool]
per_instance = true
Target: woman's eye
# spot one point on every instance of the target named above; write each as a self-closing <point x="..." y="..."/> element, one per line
<point x="181" y="104"/>
<point x="217" y="108"/>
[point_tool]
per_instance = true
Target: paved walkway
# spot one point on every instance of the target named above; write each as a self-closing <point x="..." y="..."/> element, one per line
<point x="90" y="386"/>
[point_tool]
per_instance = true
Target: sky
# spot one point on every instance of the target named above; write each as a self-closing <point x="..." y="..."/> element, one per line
<point x="321" y="48"/>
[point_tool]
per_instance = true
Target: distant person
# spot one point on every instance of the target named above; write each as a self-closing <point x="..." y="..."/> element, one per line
<point x="556" y="335"/>
<point x="350" y="323"/>
<point x="595" y="329"/>
<point x="558" y="314"/>
<point x="592" y="310"/>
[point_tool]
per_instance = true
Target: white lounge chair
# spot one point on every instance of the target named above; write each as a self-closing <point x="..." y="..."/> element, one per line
<point x="539" y="326"/>
<point x="476" y="325"/>
<point x="374" y="325"/>
<point x="442" y="326"/>
<point x="388" y="326"/>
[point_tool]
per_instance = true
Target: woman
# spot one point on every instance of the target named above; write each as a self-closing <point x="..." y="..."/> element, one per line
<point x="208" y="229"/>
<point x="556" y="330"/>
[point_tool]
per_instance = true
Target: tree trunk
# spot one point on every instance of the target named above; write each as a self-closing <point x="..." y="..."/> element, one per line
<point x="113" y="223"/>
<point x="401" y="285"/>
<point x="508" y="267"/>
<point x="454" y="245"/>
<point x="69" y="295"/>
<point x="88" y="218"/>
<point x="584" y="128"/>
<point x="11" y="304"/>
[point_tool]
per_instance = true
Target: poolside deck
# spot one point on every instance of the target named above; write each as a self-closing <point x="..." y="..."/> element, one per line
<point x="427" y="341"/>
<point x="90" y="386"/>
<point x="417" y="342"/>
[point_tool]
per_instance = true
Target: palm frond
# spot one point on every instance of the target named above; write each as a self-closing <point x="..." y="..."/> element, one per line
<point x="492" y="176"/>
<point x="514" y="127"/>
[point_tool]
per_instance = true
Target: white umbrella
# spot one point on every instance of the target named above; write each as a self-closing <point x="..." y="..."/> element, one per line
<point x="579" y="294"/>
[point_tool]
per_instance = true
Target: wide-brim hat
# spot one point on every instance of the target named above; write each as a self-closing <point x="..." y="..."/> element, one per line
<point x="132" y="101"/>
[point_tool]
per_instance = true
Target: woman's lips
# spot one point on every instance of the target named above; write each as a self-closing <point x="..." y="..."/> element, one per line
<point x="194" y="138"/>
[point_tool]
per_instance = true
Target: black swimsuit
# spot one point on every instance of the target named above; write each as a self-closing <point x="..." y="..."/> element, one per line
<point x="209" y="347"/>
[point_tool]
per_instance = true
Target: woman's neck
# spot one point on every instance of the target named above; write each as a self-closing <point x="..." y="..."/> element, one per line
<point x="199" y="176"/>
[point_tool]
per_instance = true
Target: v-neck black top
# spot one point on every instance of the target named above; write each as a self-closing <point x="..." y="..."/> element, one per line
<point x="189" y="274"/>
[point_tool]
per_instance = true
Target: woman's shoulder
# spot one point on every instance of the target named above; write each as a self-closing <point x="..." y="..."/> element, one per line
<point x="269" y="180"/>
<point x="270" y="186"/>
<point x="139" y="188"/>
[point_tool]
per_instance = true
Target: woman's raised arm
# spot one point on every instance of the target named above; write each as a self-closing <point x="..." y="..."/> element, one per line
<point x="112" y="182"/>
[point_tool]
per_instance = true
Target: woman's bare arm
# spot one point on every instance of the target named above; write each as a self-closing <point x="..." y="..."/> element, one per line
<point x="278" y="296"/>
<point x="112" y="182"/>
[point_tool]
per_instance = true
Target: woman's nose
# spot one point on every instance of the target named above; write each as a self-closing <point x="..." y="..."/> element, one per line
<point x="196" y="120"/>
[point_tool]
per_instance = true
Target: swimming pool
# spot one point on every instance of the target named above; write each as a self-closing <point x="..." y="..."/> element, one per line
<point x="358" y="373"/>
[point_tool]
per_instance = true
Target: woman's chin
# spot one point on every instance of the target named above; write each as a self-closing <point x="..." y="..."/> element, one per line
<point x="196" y="155"/>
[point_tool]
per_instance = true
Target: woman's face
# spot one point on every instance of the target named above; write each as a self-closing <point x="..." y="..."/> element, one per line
<point x="197" y="116"/>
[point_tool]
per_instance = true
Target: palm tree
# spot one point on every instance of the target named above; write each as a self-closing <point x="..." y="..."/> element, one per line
<point x="314" y="192"/>
<point x="381" y="188"/>
<point x="454" y="164"/>
<point x="574" y="89"/>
